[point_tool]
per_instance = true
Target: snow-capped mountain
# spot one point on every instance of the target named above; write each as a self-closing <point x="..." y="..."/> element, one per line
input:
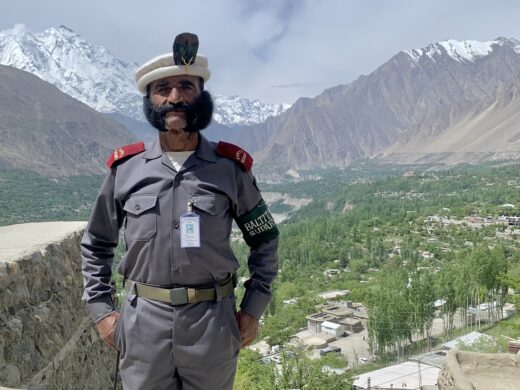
<point x="92" y="75"/>
<point x="444" y="102"/>
<point x="88" y="73"/>
<point x="236" y="110"/>
<point x="462" y="50"/>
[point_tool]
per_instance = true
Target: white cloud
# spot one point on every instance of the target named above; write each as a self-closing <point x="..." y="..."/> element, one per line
<point x="304" y="45"/>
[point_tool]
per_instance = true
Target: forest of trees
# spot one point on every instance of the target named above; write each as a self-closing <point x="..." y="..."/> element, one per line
<point x="26" y="196"/>
<point x="378" y="244"/>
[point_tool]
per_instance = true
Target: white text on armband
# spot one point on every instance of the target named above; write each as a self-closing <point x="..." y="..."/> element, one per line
<point x="260" y="224"/>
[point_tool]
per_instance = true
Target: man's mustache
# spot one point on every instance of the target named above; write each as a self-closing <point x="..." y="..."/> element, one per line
<point x="198" y="114"/>
<point x="164" y="109"/>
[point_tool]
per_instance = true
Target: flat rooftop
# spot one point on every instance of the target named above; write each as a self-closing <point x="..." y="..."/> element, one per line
<point x="338" y="310"/>
<point x="400" y="376"/>
<point x="350" y="321"/>
<point x="321" y="317"/>
<point x="24" y="239"/>
<point x="333" y="294"/>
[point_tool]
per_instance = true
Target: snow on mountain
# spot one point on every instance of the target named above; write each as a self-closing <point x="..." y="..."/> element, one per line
<point x="87" y="72"/>
<point x="92" y="75"/>
<point x="461" y="50"/>
<point x="236" y="110"/>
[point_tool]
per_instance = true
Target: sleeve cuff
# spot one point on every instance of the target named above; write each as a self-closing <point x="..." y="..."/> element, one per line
<point x="101" y="307"/>
<point x="255" y="303"/>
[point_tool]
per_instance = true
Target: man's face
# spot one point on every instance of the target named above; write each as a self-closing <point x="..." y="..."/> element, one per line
<point x="175" y="90"/>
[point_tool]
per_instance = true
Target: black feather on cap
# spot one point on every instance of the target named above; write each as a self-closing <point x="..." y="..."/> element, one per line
<point x="185" y="47"/>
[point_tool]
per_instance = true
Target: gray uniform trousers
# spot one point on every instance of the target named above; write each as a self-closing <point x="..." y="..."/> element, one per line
<point x="189" y="347"/>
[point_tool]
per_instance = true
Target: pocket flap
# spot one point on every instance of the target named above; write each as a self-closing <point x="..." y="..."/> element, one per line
<point x="138" y="204"/>
<point x="211" y="204"/>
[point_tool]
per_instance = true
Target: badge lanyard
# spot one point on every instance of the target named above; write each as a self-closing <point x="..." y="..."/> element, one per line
<point x="190" y="228"/>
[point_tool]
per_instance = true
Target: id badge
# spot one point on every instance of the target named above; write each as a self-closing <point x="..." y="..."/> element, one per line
<point x="190" y="230"/>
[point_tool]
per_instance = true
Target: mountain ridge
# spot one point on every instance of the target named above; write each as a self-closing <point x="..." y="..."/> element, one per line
<point x="91" y="74"/>
<point x="404" y="98"/>
<point x="45" y="130"/>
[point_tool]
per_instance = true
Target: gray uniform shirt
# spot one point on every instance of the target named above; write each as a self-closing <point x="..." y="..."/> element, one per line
<point x="148" y="196"/>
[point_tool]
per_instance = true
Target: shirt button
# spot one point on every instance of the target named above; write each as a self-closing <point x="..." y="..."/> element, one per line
<point x="137" y="207"/>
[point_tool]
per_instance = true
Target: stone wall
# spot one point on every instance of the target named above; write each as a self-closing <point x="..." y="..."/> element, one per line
<point x="47" y="339"/>
<point x="479" y="371"/>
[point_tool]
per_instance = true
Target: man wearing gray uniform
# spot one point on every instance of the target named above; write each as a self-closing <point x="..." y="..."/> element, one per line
<point x="178" y="327"/>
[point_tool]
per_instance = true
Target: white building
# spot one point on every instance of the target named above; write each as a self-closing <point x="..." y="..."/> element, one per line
<point x="468" y="339"/>
<point x="404" y="376"/>
<point x="332" y="329"/>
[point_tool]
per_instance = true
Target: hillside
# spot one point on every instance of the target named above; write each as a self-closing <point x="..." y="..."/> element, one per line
<point x="47" y="131"/>
<point x="414" y="96"/>
<point x="489" y="130"/>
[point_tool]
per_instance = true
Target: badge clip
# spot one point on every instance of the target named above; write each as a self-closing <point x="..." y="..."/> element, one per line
<point x="190" y="228"/>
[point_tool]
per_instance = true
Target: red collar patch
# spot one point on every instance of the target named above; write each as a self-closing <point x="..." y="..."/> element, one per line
<point x="124" y="152"/>
<point x="235" y="153"/>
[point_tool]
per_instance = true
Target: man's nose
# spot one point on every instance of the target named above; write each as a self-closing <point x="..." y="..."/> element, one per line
<point x="174" y="96"/>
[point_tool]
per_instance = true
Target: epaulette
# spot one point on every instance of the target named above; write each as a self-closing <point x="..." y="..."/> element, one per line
<point x="235" y="153"/>
<point x="125" y="152"/>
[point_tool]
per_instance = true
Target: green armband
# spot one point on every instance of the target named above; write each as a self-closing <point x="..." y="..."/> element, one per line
<point x="257" y="225"/>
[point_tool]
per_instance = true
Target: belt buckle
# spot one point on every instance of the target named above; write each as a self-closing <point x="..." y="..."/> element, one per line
<point x="178" y="296"/>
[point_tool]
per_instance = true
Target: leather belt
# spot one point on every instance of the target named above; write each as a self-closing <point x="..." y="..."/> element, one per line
<point x="184" y="295"/>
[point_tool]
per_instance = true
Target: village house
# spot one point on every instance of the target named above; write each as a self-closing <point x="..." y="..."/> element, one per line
<point x="340" y="310"/>
<point x="332" y="329"/>
<point x="329" y="273"/>
<point x="315" y="320"/>
<point x="352" y="325"/>
<point x="513" y="221"/>
<point x="349" y="315"/>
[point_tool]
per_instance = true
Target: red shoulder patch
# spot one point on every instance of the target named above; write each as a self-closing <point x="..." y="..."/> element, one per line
<point x="124" y="152"/>
<point x="235" y="153"/>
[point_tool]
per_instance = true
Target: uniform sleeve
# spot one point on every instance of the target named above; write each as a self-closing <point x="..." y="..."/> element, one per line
<point x="97" y="250"/>
<point x="261" y="234"/>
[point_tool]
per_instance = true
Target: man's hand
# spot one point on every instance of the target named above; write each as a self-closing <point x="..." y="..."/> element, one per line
<point x="107" y="327"/>
<point x="248" y="326"/>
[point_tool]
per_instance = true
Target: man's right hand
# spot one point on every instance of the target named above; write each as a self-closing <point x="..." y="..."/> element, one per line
<point x="107" y="327"/>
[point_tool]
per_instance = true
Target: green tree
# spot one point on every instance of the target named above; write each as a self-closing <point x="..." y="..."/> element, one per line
<point x="252" y="374"/>
<point x="299" y="371"/>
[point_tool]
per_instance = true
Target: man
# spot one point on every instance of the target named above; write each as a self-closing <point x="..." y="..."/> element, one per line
<point x="178" y="326"/>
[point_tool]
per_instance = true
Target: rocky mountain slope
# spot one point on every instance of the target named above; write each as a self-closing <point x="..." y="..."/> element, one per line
<point x="489" y="130"/>
<point x="45" y="130"/>
<point x="416" y="94"/>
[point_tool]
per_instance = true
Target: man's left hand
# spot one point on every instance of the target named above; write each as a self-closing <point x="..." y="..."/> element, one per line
<point x="248" y="326"/>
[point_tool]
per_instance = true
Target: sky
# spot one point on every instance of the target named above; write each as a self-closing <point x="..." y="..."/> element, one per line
<point x="273" y="50"/>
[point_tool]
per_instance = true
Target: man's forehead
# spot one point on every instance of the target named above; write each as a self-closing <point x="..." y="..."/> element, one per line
<point x="177" y="79"/>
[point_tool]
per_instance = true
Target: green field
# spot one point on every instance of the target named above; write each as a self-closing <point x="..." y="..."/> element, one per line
<point x="26" y="196"/>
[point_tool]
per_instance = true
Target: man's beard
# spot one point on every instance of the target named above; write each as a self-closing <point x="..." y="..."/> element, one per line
<point x="198" y="114"/>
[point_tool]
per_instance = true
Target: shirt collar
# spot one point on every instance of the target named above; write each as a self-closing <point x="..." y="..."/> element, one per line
<point x="205" y="150"/>
<point x="153" y="150"/>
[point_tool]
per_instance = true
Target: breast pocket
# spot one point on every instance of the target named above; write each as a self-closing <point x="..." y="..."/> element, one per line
<point x="141" y="217"/>
<point x="211" y="204"/>
<point x="214" y="216"/>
